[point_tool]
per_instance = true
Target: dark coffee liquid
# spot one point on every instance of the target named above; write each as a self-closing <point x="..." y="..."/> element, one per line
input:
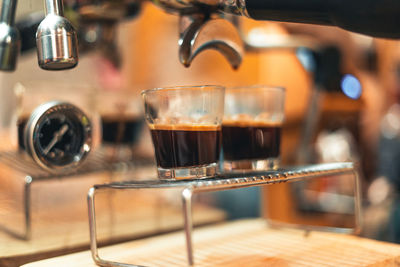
<point x="121" y="130"/>
<point x="21" y="122"/>
<point x="250" y="140"/>
<point x="185" y="145"/>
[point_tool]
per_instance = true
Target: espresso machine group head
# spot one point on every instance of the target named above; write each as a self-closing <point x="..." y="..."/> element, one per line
<point x="203" y="25"/>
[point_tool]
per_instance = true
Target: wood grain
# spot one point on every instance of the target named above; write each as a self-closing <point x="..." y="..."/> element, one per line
<point x="244" y="243"/>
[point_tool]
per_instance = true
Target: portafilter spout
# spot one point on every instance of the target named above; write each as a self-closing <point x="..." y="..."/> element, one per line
<point x="10" y="41"/>
<point x="56" y="40"/>
<point x="199" y="33"/>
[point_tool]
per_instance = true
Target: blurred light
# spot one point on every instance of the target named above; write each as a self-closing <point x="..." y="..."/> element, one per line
<point x="390" y="125"/>
<point x="335" y="146"/>
<point x="351" y="86"/>
<point x="259" y="36"/>
<point x="91" y="36"/>
<point x="379" y="190"/>
<point x="306" y="58"/>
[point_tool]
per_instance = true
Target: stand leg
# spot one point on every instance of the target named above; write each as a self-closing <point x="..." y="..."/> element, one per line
<point x="93" y="235"/>
<point x="357" y="202"/>
<point x="27" y="208"/>
<point x="188" y="224"/>
<point x="92" y="225"/>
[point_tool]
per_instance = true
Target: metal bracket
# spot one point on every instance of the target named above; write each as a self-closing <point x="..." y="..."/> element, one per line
<point x="226" y="182"/>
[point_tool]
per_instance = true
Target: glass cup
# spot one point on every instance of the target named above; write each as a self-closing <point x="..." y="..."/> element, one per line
<point x="251" y="128"/>
<point x="122" y="121"/>
<point x="185" y="125"/>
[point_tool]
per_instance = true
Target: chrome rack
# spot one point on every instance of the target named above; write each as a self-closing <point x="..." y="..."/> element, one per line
<point x="31" y="173"/>
<point x="225" y="182"/>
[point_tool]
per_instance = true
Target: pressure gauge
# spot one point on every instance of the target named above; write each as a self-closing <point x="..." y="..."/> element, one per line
<point x="58" y="136"/>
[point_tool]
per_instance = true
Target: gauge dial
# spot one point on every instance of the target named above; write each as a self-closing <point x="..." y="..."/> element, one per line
<point x="58" y="135"/>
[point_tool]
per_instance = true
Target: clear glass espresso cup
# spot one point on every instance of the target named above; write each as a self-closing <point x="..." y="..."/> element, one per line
<point x="122" y="122"/>
<point x="251" y="128"/>
<point x="185" y="125"/>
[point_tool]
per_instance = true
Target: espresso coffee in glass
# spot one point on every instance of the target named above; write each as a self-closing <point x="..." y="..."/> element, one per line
<point x="251" y="129"/>
<point x="120" y="130"/>
<point x="122" y="121"/>
<point x="185" y="126"/>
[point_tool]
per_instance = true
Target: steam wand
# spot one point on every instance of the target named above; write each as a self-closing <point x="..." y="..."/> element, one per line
<point x="56" y="40"/>
<point x="10" y="41"/>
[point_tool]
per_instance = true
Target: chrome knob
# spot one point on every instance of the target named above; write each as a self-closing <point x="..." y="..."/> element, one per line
<point x="56" y="40"/>
<point x="10" y="41"/>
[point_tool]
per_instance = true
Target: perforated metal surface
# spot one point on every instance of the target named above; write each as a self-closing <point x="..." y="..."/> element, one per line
<point x="241" y="179"/>
<point x="97" y="162"/>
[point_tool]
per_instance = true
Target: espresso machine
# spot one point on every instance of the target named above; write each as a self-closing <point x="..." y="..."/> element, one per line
<point x="204" y="24"/>
<point x="66" y="29"/>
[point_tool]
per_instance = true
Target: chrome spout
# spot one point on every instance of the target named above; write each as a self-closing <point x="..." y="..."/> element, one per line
<point x="10" y="41"/>
<point x="56" y="40"/>
<point x="198" y="34"/>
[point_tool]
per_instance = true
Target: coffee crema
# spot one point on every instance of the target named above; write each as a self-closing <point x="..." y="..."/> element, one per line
<point x="243" y="140"/>
<point x="186" y="145"/>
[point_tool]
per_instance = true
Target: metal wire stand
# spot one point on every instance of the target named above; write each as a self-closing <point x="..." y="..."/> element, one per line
<point x="225" y="182"/>
<point x="32" y="173"/>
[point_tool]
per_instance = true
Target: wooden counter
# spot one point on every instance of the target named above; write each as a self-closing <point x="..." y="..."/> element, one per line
<point x="60" y="220"/>
<point x="243" y="243"/>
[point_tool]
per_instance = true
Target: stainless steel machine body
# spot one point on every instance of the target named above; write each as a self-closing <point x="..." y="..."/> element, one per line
<point x="204" y="24"/>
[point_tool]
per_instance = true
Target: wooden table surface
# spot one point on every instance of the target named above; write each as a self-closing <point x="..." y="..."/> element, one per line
<point x="243" y="243"/>
<point x="60" y="221"/>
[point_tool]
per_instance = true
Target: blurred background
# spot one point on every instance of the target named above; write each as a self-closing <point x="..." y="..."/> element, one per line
<point x="342" y="94"/>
